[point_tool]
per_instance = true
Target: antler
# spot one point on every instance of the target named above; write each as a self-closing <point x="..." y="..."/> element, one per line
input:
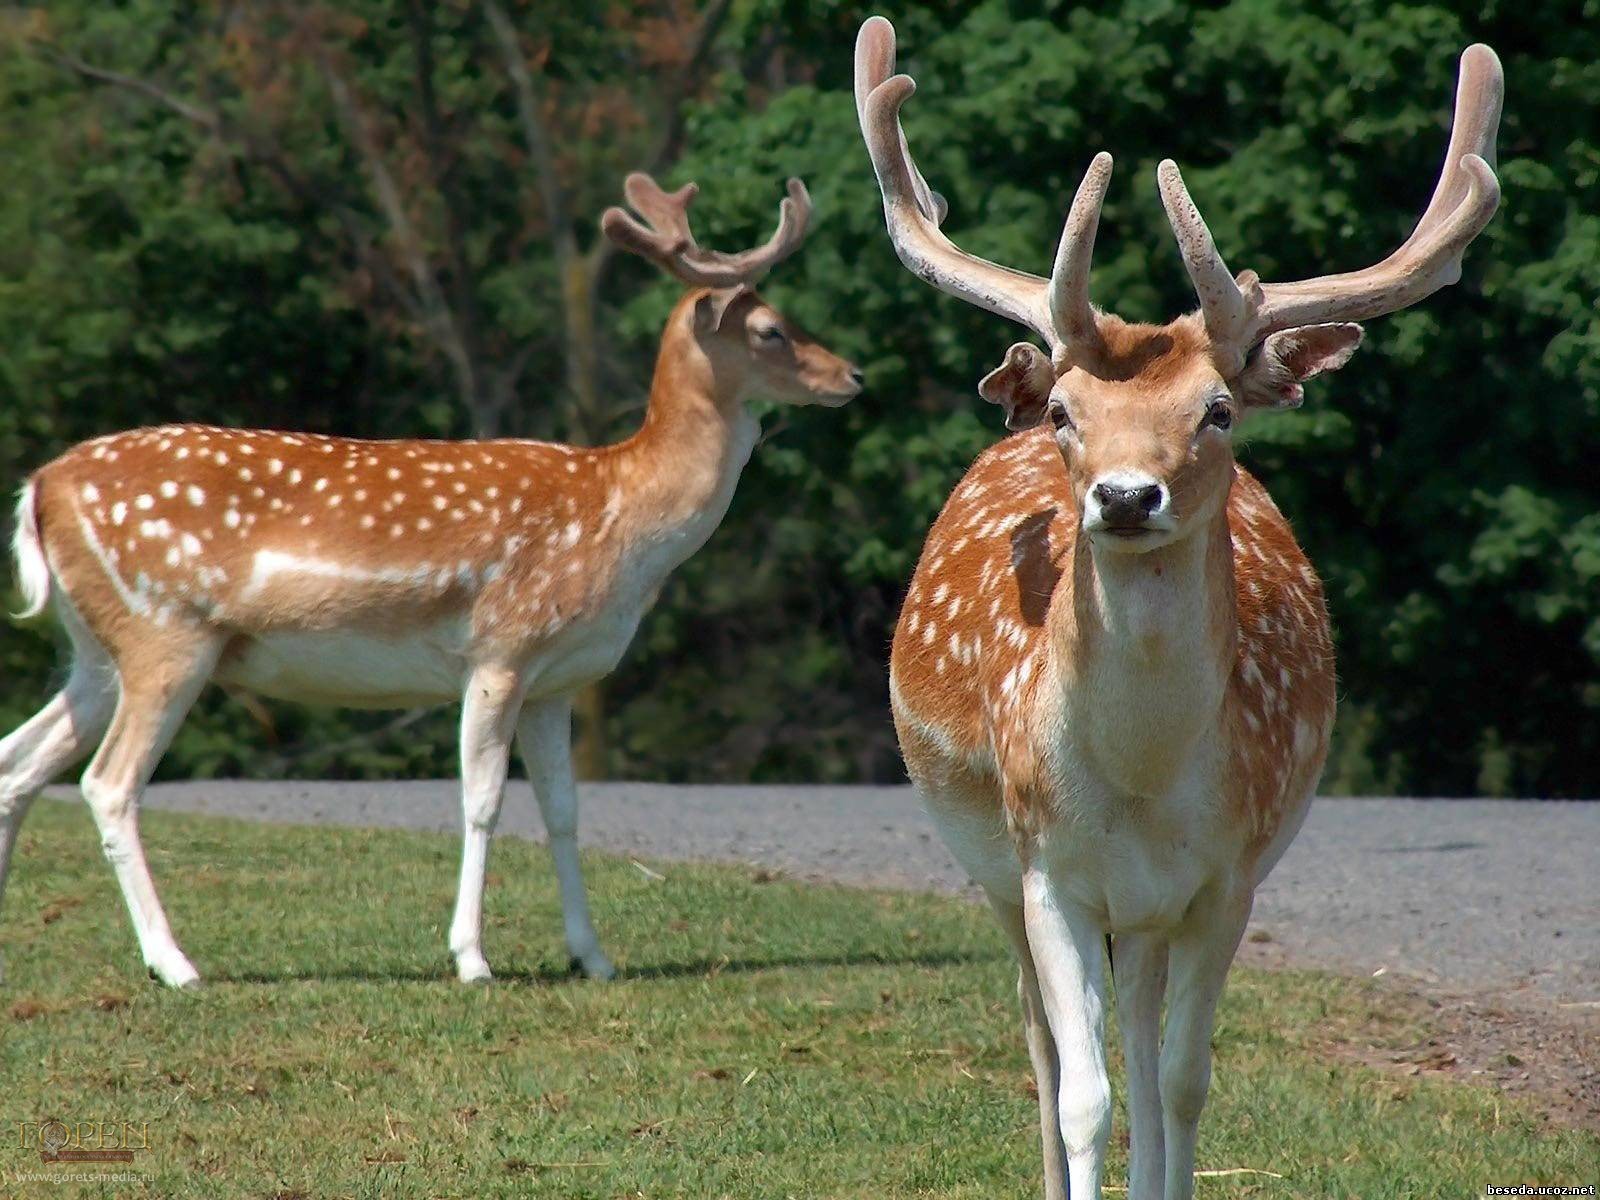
<point x="1057" y="309"/>
<point x="667" y="241"/>
<point x="1242" y="311"/>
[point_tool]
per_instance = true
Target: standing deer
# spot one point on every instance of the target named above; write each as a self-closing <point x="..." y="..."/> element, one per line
<point x="507" y="574"/>
<point x="1113" y="677"/>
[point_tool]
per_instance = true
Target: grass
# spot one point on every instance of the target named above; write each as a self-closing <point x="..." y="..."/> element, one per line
<point x="767" y="1040"/>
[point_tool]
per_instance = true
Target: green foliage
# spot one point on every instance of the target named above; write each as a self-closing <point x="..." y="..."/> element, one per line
<point x="1441" y="483"/>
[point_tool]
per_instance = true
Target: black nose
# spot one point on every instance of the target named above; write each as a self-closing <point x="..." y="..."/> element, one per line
<point x="1127" y="506"/>
<point x="858" y="377"/>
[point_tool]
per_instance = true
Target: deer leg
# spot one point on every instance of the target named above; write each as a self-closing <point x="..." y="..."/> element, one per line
<point x="1139" y="978"/>
<point x="1041" y="1048"/>
<point x="1068" y="949"/>
<point x="156" y="695"/>
<point x="545" y="738"/>
<point x="1198" y="966"/>
<point x="53" y="739"/>
<point x="488" y="716"/>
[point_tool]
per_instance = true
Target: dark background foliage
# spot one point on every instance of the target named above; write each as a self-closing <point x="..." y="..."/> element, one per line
<point x="205" y="236"/>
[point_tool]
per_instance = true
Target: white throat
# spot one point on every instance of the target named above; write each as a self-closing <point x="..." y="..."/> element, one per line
<point x="1152" y="681"/>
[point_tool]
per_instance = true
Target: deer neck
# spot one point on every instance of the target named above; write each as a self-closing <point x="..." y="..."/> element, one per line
<point x="676" y="476"/>
<point x="1144" y="652"/>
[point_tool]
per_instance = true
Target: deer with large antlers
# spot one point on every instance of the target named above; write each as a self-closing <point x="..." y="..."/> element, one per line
<point x="1113" y="676"/>
<point x="506" y="574"/>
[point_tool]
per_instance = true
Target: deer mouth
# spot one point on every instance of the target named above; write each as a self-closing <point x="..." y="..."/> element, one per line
<point x="1127" y="536"/>
<point x="837" y="397"/>
<point x="1119" y="525"/>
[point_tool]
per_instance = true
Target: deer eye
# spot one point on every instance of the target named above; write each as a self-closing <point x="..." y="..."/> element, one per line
<point x="1219" y="415"/>
<point x="771" y="335"/>
<point x="1057" y="412"/>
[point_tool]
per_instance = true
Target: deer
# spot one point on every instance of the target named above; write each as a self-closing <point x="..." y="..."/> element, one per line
<point x="505" y="574"/>
<point x="1112" y="677"/>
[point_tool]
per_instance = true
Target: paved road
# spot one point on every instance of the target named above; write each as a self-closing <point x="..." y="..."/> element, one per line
<point x="1476" y="895"/>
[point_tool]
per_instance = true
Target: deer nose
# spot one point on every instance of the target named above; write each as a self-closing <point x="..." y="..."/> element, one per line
<point x="1128" y="505"/>
<point x="858" y="377"/>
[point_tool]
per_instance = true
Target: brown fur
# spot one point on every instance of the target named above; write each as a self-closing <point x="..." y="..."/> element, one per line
<point x="524" y="537"/>
<point x="1000" y="569"/>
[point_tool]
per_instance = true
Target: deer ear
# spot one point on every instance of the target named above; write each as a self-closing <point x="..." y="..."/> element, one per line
<point x="711" y="308"/>
<point x="1273" y="374"/>
<point x="1021" y="385"/>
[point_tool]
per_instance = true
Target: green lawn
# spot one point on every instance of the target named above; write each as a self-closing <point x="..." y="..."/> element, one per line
<point x="765" y="1040"/>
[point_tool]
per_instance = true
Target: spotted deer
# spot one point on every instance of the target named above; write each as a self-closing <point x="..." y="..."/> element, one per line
<point x="1113" y="676"/>
<point x="505" y="574"/>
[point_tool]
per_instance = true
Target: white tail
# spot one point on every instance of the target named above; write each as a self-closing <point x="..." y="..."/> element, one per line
<point x="505" y="574"/>
<point x="33" y="569"/>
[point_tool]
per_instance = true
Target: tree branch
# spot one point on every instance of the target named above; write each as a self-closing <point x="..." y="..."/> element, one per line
<point x="551" y="193"/>
<point x="462" y="279"/>
<point x="277" y="762"/>
<point x="677" y="92"/>
<point x="672" y="103"/>
<point x="440" y="320"/>
<point x="142" y="87"/>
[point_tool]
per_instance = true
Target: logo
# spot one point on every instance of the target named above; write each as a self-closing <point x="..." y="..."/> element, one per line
<point x="61" y="1141"/>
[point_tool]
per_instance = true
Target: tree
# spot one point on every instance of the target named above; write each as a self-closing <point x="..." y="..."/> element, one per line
<point x="1440" y="483"/>
<point x="153" y="269"/>
<point x="442" y="133"/>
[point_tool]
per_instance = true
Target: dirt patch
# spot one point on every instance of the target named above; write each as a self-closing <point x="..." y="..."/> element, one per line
<point x="1542" y="1054"/>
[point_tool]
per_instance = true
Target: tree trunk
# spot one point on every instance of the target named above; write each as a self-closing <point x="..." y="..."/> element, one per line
<point x="589" y="757"/>
<point x="582" y="352"/>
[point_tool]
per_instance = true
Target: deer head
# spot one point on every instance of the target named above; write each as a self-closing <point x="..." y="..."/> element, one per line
<point x="750" y="347"/>
<point x="1144" y="414"/>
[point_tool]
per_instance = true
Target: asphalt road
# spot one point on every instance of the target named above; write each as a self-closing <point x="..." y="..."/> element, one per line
<point x="1474" y="895"/>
